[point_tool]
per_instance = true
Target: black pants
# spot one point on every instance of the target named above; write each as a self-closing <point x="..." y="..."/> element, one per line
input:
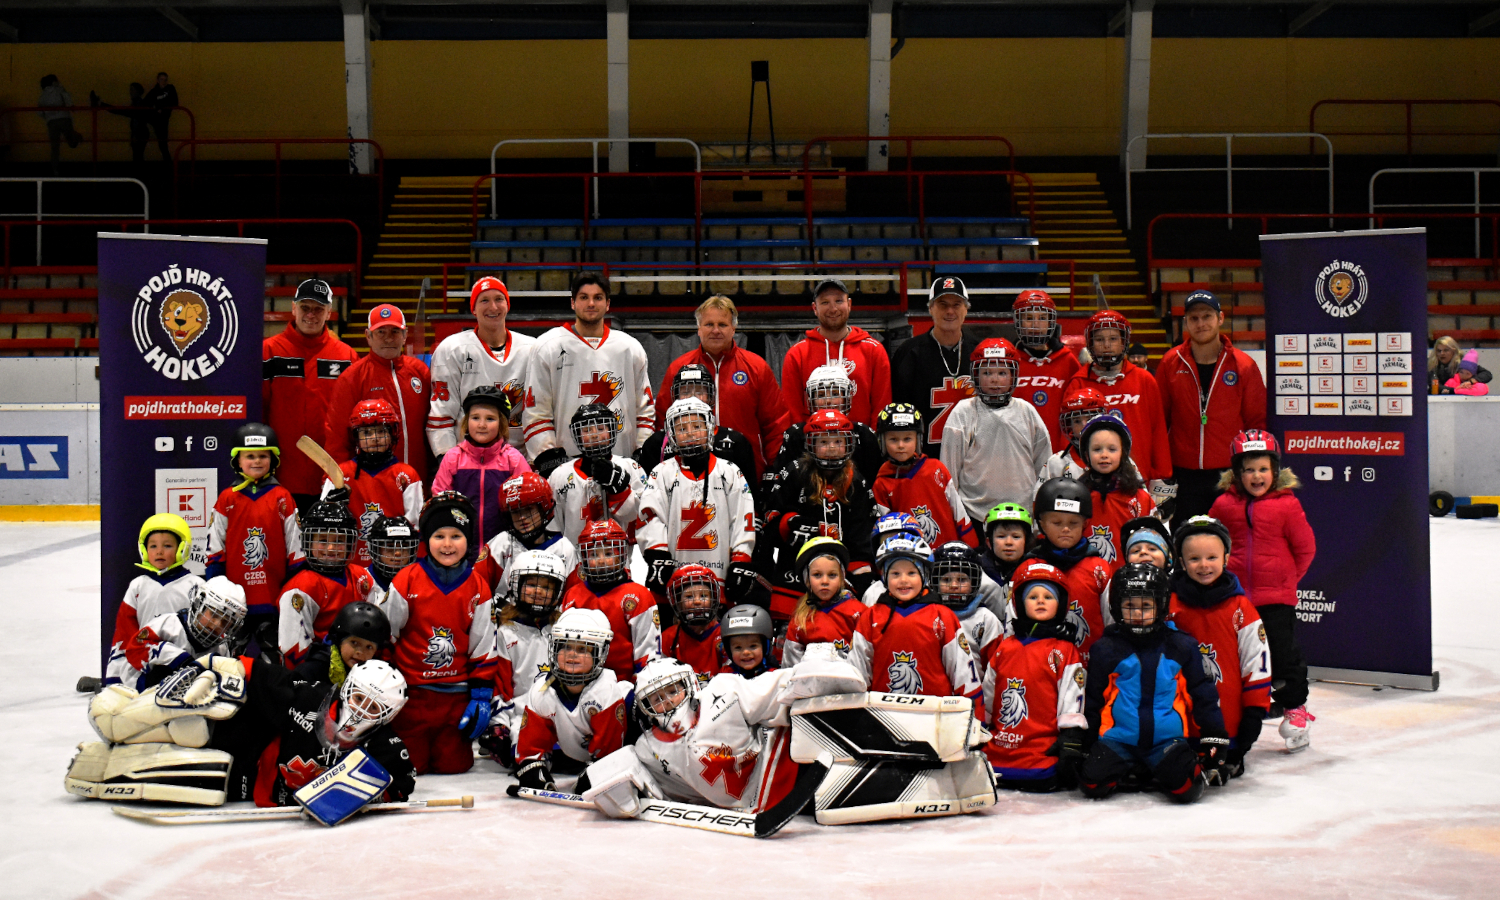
<point x="159" y="125"/>
<point x="1173" y="765"/>
<point x="1288" y="668"/>
<point x="1197" y="489"/>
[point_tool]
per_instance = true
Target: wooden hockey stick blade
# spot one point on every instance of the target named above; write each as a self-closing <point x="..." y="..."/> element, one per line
<point x="210" y="816"/>
<point x="317" y="454"/>
<point x="809" y="776"/>
<point x="559" y="798"/>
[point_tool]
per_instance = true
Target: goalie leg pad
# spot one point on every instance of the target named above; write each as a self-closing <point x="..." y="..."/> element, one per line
<point x="617" y="784"/>
<point x="344" y="789"/>
<point x="901" y="789"/>
<point x="122" y="716"/>
<point x="157" y="772"/>
<point x="874" y="726"/>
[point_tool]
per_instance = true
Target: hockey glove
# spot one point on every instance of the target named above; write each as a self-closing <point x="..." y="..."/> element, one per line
<point x="337" y="495"/>
<point x="1213" y="756"/>
<point x="742" y="581"/>
<point x="496" y="745"/>
<point x="1070" y="756"/>
<point x="548" y="460"/>
<point x="476" y="717"/>
<point x="1164" y="494"/>
<point x="659" y="568"/>
<point x="536" y="775"/>
<point x="802" y="532"/>
<point x="613" y="478"/>
<point x="1250" y="722"/>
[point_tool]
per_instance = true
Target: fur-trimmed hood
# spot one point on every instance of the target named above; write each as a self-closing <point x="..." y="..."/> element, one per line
<point x="1286" y="480"/>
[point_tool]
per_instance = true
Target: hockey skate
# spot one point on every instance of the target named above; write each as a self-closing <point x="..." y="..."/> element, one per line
<point x="1296" y="729"/>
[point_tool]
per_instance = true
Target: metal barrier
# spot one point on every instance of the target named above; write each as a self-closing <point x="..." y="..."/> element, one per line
<point x="37" y="213"/>
<point x="1409" y="132"/>
<point x="593" y="154"/>
<point x="1229" y="167"/>
<point x="1474" y="204"/>
<point x="908" y="140"/>
<point x="378" y="175"/>
<point x="94" y="139"/>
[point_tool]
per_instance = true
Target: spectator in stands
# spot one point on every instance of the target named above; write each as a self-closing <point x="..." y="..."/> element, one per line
<point x="1138" y="355"/>
<point x="932" y="371"/>
<point x="298" y="370"/>
<point x="138" y="112"/>
<point x="489" y="354"/>
<point x="745" y="396"/>
<point x="835" y="340"/>
<point x="59" y="121"/>
<point x="388" y="374"/>
<point x="1466" y="381"/>
<point x="1442" y="363"/>
<point x="163" y="98"/>
<point x="1210" y="392"/>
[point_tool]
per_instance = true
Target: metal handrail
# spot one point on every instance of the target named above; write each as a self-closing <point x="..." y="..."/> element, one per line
<point x="94" y="111"/>
<point x="908" y="140"/>
<point x="593" y="154"/>
<point x="378" y="173"/>
<point x="1475" y="205"/>
<point x="1229" y="167"/>
<point x="37" y="213"/>
<point x="1312" y="116"/>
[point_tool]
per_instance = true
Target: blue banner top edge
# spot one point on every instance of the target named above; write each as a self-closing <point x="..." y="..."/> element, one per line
<point x="1324" y="234"/>
<point x="207" y="239"/>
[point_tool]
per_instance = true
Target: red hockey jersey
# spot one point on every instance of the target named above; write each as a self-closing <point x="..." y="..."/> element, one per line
<point x="1042" y="383"/>
<point x="919" y="648"/>
<point x="311" y="600"/>
<point x="252" y="540"/>
<point x="1134" y="397"/>
<point x="701" y="652"/>
<point x="1111" y="512"/>
<point x="834" y="625"/>
<point x="1086" y="580"/>
<point x="632" y="615"/>
<point x="925" y="491"/>
<point x="1032" y="688"/>
<point x="392" y="491"/>
<point x="1232" y="640"/>
<point x="442" y="635"/>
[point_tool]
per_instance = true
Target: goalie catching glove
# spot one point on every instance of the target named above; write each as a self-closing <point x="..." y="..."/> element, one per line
<point x="178" y="710"/>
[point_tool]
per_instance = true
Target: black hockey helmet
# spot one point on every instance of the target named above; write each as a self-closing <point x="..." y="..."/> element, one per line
<point x="1200" y="525"/>
<point x="330" y="524"/>
<point x="254" y="436"/>
<point x="488" y="395"/>
<point x="393" y="545"/>
<point x="1063" y="494"/>
<point x="594" y="414"/>
<point x="957" y="558"/>
<point x="694" y="376"/>
<point x="361" y="620"/>
<point x="1140" y="580"/>
<point x="897" y="417"/>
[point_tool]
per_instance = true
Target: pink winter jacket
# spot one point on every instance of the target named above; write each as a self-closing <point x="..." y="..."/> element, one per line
<point x="477" y="473"/>
<point x="1271" y="544"/>
<point x="1473" y="389"/>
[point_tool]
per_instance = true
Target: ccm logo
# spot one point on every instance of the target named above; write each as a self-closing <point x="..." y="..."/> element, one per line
<point x="119" y="791"/>
<point x="901" y="698"/>
<point x="920" y="809"/>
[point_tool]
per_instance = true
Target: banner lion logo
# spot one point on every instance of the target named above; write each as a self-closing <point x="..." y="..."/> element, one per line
<point x="184" y="316"/>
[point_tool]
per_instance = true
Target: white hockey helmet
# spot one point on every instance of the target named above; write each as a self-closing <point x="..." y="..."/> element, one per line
<point x="666" y="694"/>
<point x="588" y="627"/>
<point x="829" y="382"/>
<point x="216" y="612"/>
<point x="372" y="694"/>
<point x="536" y="563"/>
<point x="683" y="409"/>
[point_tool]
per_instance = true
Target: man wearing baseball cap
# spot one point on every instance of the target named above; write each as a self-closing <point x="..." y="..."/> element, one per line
<point x="836" y="341"/>
<point x="931" y="370"/>
<point x="298" y="370"/>
<point x="388" y="374"/>
<point x="1210" y="391"/>
<point x="489" y="353"/>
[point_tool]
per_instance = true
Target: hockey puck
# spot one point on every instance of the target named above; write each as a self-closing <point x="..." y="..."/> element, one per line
<point x="1439" y="504"/>
<point x="1478" y="511"/>
<point x="88" y="684"/>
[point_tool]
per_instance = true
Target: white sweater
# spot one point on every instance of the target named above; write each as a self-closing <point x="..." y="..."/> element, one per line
<point x="994" y="454"/>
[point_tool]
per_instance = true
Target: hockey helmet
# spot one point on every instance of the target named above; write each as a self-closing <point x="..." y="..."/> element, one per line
<point x="1063" y="494"/>
<point x="1140" y="580"/>
<point x="897" y="417"/>
<point x="373" y="412"/>
<point x="596" y="419"/>
<point x="603" y="552"/>
<point x="829" y="387"/>
<point x="372" y="694"/>
<point x="1105" y="422"/>
<point x="329" y="532"/>
<point x="899" y="547"/>
<point x="819" y="547"/>
<point x="362" y="620"/>
<point x="1200" y="525"/>
<point x="1006" y="512"/>
<point x="821" y="431"/>
<point x="666" y="695"/>
<point x="894" y="522"/>
<point x="691" y="444"/>
<point x="991" y="356"/>
<point x="1035" y="317"/>
<point x="1107" y="318"/>
<point x="171" y="524"/>
<point x="951" y="564"/>
<point x="536" y="580"/>
<point x="1254" y="442"/>
<point x="488" y="395"/>
<point x="393" y="545"/>
<point x="1029" y="573"/>
<point x="217" y="612"/>
<point x="694" y="380"/>
<point x="254" y="436"/>
<point x="527" y="498"/>
<point x="585" y="629"/>
<point x="695" y="593"/>
<point x="747" y="619"/>
<point x="1081" y="404"/>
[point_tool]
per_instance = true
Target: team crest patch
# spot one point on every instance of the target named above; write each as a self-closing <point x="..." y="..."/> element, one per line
<point x="1080" y="624"/>
<point x="1260" y="632"/>
<point x="963" y="642"/>
<point x="416" y="385"/>
<point x="1055" y="661"/>
<point x="441" y="650"/>
<point x="1211" y="663"/>
<point x="143" y="636"/>
<point x="367" y="520"/>
<point x="902" y="673"/>
<point x="629" y="604"/>
<point x="254" y="548"/>
<point x="1080" y="678"/>
<point x="1013" y="703"/>
<point x="1102" y="541"/>
<point x="297" y="603"/>
<point x="740" y="378"/>
<point x="620" y="713"/>
<point x="925" y="522"/>
<point x="402" y="480"/>
<point x="1239" y="619"/>
<point x="655" y="617"/>
<point x="1039" y="398"/>
<point x="1231" y="378"/>
<point x="939" y="630"/>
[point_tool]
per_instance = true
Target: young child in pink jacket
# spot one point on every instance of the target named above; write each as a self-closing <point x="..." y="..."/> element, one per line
<point x="484" y="460"/>
<point x="1463" y="381"/>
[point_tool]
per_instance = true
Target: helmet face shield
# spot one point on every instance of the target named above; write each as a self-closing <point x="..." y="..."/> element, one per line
<point x="594" y="429"/>
<point x="995" y="380"/>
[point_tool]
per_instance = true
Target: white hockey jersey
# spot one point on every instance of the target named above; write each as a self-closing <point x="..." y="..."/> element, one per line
<point x="162" y="641"/>
<point x="462" y="363"/>
<point x="709" y="521"/>
<point x="587" y="727"/>
<point x="523" y="656"/>
<point x="1058" y="464"/>
<point x="581" y="500"/>
<point x="994" y="455"/>
<point x="148" y="597"/>
<point x="985" y="631"/>
<point x="568" y="371"/>
<point x="505" y="547"/>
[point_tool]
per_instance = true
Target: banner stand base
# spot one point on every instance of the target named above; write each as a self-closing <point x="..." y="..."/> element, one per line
<point x="1375" y="679"/>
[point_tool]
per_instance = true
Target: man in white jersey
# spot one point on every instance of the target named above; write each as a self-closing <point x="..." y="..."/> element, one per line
<point x="490" y="353"/>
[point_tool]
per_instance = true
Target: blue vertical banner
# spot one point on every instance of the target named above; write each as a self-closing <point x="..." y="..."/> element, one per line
<point x="179" y="371"/>
<point x="1346" y="342"/>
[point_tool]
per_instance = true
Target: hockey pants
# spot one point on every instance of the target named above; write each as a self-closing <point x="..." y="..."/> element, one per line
<point x="428" y="726"/>
<point x="1173" y="765"/>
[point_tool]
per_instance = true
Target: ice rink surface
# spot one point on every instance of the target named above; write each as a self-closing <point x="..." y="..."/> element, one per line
<point x="1399" y="796"/>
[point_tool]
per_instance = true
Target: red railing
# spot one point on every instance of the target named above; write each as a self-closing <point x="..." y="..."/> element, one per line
<point x="908" y="140"/>
<point x="93" y="137"/>
<point x="1409" y="132"/>
<point x="277" y="143"/>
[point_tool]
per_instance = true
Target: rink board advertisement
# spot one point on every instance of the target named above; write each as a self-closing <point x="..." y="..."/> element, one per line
<point x="1346" y="342"/>
<point x="180" y="370"/>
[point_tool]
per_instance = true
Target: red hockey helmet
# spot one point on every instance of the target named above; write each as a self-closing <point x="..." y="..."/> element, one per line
<point x="487" y="283"/>
<point x="1254" y="442"/>
<point x="828" y="423"/>
<point x="1081" y="404"/>
<point x="1028" y="573"/>
<point x="1035" y="316"/>
<point x="1107" y="318"/>
<point x="994" y="354"/>
<point x="374" y="412"/>
<point x="524" y="492"/>
<point x="691" y="610"/>
<point x="603" y="551"/>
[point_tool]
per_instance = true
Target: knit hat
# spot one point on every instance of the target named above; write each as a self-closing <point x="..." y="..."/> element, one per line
<point x="1470" y="362"/>
<point x="448" y="509"/>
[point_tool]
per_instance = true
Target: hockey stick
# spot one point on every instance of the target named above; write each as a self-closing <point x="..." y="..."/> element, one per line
<point x="558" y="797"/>
<point x="212" y="816"/>
<point x="317" y="454"/>
<point x="809" y="776"/>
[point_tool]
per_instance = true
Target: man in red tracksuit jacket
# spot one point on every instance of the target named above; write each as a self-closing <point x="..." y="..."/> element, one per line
<point x="745" y="391"/>
<point x="1209" y="393"/>
<point x="835" y="340"/>
<point x="386" y="374"/>
<point x="298" y="370"/>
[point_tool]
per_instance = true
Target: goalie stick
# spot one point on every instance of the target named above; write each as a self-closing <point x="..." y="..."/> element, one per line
<point x="211" y="816"/>
<point x="317" y="454"/>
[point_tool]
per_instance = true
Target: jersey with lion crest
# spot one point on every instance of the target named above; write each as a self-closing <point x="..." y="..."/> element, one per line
<point x="568" y="371"/>
<point x="834" y="625"/>
<point x="585" y="727"/>
<point x="632" y="615"/>
<point x="926" y="492"/>
<point x="1086" y="580"/>
<point x="1112" y="510"/>
<point x="443" y="635"/>
<point x="310" y="601"/>
<point x="1032" y="688"/>
<point x="253" y="539"/>
<point x="709" y="521"/>
<point x="523" y="658"/>
<point x="1232" y="645"/>
<point x="392" y="490"/>
<point x="919" y="648"/>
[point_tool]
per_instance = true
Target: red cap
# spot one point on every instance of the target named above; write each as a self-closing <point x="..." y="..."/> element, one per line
<point x="487" y="283"/>
<point x="386" y="314"/>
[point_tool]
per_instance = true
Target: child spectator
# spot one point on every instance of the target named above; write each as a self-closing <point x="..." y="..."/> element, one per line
<point x="1080" y="405"/>
<point x="1144" y="678"/>
<point x="1118" y="494"/>
<point x="695" y="594"/>
<point x="1209" y="604"/>
<point x="527" y="505"/>
<point x="444" y="633"/>
<point x="603" y="557"/>
<point x="1046" y="365"/>
<point x="1466" y="380"/>
<point x="957" y="575"/>
<point x="327" y="582"/>
<point x="522" y="644"/>
<point x="994" y="445"/>
<point x="596" y="485"/>
<point x="1007" y="540"/>
<point x="1062" y="507"/>
<point x="745" y="641"/>
<point x="359" y="633"/>
<point x="378" y="484"/>
<point x="916" y="484"/>
<point x="579" y="712"/>
<point x="168" y="586"/>
<point x="252" y="533"/>
<point x="1273" y="546"/>
<point x="1147" y="540"/>
<point x="479" y="464"/>
<point x="827" y="612"/>
<point x="1034" y="688"/>
<point x="393" y="547"/>
<point x="908" y="643"/>
<point x="212" y="623"/>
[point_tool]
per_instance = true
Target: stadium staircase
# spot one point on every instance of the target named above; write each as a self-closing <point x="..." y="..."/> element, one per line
<point x="430" y="223"/>
<point x="1074" y="221"/>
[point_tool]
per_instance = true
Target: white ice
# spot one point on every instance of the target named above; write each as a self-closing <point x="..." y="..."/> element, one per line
<point x="1399" y="796"/>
